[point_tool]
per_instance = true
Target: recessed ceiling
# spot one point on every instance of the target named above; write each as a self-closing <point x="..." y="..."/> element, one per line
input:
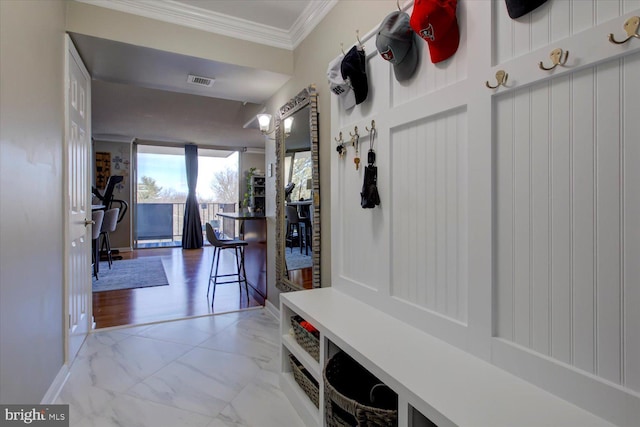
<point x="277" y="23"/>
<point x="142" y="93"/>
<point x="274" y="13"/>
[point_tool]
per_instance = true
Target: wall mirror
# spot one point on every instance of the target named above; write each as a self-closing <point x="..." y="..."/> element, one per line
<point x="298" y="194"/>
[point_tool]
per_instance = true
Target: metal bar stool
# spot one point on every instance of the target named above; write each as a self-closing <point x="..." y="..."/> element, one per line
<point x="108" y="226"/>
<point x="294" y="223"/>
<point x="96" y="217"/>
<point x="218" y="247"/>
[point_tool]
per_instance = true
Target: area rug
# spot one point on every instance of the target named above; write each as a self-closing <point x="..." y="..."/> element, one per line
<point x="297" y="260"/>
<point x="131" y="273"/>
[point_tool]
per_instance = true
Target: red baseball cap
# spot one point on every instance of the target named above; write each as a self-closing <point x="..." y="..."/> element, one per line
<point x="435" y="21"/>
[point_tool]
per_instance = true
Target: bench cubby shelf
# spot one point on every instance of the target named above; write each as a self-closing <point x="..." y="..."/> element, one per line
<point x="435" y="381"/>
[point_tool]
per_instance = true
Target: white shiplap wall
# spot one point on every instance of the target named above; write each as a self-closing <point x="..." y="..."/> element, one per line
<point x="510" y="218"/>
<point x="567" y="213"/>
<point x="429" y="197"/>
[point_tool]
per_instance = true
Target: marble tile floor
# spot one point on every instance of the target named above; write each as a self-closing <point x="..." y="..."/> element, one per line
<point x="213" y="371"/>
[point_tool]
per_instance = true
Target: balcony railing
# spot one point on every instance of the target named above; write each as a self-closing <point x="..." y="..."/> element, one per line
<point x="160" y="224"/>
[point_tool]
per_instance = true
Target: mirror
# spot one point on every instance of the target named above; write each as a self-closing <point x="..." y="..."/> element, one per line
<point x="298" y="194"/>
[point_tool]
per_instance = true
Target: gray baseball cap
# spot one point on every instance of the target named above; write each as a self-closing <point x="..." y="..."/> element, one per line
<point x="395" y="42"/>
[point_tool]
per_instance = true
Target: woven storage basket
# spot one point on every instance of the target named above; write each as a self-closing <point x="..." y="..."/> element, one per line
<point x="305" y="338"/>
<point x="349" y="390"/>
<point x="306" y="382"/>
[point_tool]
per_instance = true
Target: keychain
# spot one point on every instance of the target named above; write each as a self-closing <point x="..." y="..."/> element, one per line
<point x="355" y="142"/>
<point x="356" y="159"/>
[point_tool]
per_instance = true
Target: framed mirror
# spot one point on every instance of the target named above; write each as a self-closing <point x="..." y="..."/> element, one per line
<point x="298" y="194"/>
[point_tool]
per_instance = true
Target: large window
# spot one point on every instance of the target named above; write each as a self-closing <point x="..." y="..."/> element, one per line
<point x="161" y="191"/>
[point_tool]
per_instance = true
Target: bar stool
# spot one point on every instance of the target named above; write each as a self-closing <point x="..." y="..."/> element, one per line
<point x="218" y="247"/>
<point x="96" y="217"/>
<point x="293" y="221"/>
<point x="109" y="224"/>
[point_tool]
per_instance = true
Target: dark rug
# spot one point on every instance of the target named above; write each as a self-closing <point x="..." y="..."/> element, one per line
<point x="130" y="273"/>
<point x="297" y="260"/>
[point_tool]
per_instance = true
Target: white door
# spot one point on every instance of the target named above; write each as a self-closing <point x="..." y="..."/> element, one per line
<point x="78" y="201"/>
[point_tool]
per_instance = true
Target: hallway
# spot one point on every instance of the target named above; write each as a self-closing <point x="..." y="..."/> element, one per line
<point x="211" y="371"/>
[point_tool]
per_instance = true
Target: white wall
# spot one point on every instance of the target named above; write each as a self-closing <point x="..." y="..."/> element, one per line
<point x="509" y="219"/>
<point x="31" y="177"/>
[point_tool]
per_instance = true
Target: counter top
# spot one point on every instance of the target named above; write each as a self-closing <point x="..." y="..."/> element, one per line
<point x="241" y="215"/>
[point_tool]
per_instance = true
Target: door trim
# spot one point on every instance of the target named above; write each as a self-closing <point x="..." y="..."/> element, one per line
<point x="70" y="49"/>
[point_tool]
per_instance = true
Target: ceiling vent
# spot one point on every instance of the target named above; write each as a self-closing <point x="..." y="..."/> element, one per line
<point x="200" y="81"/>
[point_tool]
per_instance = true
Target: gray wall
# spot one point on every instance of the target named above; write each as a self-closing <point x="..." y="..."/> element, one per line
<point x="31" y="177"/>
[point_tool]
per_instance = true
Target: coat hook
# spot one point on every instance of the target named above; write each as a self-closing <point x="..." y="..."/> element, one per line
<point x="398" y="4"/>
<point x="501" y="78"/>
<point x="373" y="126"/>
<point x="341" y="149"/>
<point x="358" y="38"/>
<point x="556" y="59"/>
<point x="342" y="48"/>
<point x="355" y="130"/>
<point x="631" y="27"/>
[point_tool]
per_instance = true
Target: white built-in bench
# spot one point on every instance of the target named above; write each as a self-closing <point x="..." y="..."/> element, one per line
<point x="433" y="379"/>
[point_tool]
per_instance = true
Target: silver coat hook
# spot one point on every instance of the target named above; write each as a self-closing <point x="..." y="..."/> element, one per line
<point x="342" y="48"/>
<point x="355" y="130"/>
<point x="373" y="126"/>
<point x="501" y="79"/>
<point x="358" y="38"/>
<point x="398" y="4"/>
<point x="556" y="59"/>
<point x="631" y="26"/>
<point x="339" y="138"/>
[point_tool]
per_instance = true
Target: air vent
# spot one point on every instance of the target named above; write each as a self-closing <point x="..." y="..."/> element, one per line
<point x="200" y="81"/>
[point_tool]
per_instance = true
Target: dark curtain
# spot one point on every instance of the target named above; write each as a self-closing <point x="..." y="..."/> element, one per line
<point x="192" y="227"/>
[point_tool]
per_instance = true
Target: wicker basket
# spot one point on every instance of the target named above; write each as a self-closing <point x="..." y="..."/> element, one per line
<point x="304" y="379"/>
<point x="355" y="397"/>
<point x="305" y="338"/>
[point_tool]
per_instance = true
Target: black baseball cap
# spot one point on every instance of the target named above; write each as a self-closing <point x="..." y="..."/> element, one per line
<point x="518" y="8"/>
<point x="354" y="69"/>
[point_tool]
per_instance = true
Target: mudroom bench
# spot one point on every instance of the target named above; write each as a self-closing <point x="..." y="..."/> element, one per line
<point x="437" y="383"/>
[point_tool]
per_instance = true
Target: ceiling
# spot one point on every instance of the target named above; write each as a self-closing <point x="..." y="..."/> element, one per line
<point x="142" y="93"/>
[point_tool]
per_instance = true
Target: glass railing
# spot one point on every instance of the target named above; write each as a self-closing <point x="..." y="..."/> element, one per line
<point x="160" y="224"/>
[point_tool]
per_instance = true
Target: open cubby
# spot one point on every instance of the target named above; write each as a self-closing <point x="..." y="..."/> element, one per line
<point x="436" y="383"/>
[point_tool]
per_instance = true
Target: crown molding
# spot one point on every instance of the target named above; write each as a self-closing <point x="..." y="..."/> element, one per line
<point x="309" y="19"/>
<point x="182" y="14"/>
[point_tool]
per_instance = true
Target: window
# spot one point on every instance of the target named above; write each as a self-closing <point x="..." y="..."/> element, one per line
<point x="161" y="191"/>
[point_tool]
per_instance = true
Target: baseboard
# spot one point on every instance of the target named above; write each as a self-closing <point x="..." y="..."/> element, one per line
<point x="125" y="249"/>
<point x="272" y="309"/>
<point x="55" y="388"/>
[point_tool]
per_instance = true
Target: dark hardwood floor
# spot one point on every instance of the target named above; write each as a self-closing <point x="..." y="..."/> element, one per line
<point x="186" y="295"/>
<point x="303" y="276"/>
